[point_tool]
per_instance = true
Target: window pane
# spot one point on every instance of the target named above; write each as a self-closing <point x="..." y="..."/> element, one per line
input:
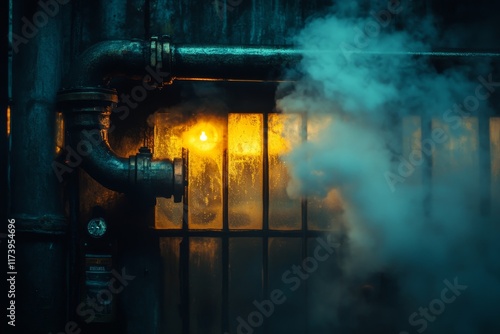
<point x="167" y="145"/>
<point x="170" y="253"/>
<point x="325" y="289"/>
<point x="245" y="278"/>
<point x="204" y="139"/>
<point x="457" y="158"/>
<point x="245" y="171"/>
<point x="205" y="285"/>
<point x="323" y="213"/>
<point x="290" y="315"/>
<point x="284" y="134"/>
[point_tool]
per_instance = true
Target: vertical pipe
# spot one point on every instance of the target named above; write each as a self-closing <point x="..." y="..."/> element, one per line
<point x="73" y="237"/>
<point x="35" y="193"/>
<point x="113" y="14"/>
<point x="4" y="99"/>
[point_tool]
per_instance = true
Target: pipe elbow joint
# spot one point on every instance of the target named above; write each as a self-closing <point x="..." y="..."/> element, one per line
<point x="87" y="115"/>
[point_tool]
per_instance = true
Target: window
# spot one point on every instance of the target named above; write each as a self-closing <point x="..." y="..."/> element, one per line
<point x="230" y="243"/>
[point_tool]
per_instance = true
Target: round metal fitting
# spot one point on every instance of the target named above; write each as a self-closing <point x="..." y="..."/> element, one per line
<point x="90" y="94"/>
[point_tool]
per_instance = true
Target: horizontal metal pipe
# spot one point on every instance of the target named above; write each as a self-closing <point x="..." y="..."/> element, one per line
<point x="266" y="63"/>
<point x="246" y="63"/>
<point x="131" y="58"/>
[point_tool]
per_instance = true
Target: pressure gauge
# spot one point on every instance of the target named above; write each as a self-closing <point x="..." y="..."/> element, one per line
<point x="97" y="227"/>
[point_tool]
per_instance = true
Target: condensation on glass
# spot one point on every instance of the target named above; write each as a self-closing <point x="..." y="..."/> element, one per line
<point x="203" y="137"/>
<point x="240" y="138"/>
<point x="168" y="130"/>
<point x="285" y="132"/>
<point x="245" y="148"/>
<point x="205" y="142"/>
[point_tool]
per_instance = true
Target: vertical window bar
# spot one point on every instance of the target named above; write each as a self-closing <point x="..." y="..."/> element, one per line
<point x="225" y="181"/>
<point x="265" y="213"/>
<point x="304" y="225"/>
<point x="265" y="173"/>
<point x="184" y="254"/>
<point x="484" y="164"/>
<point x="225" y="238"/>
<point x="426" y="124"/>
<point x="304" y="199"/>
<point x="185" y="212"/>
<point x="225" y="284"/>
<point x="184" y="283"/>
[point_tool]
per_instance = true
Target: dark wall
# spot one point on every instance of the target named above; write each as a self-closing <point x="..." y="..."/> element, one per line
<point x="266" y="22"/>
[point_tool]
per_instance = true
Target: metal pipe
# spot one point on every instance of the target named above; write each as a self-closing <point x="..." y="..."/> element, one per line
<point x="266" y="63"/>
<point x="87" y="116"/>
<point x="105" y="60"/>
<point x="36" y="204"/>
<point x="4" y="101"/>
<point x="245" y="63"/>
<point x="163" y="62"/>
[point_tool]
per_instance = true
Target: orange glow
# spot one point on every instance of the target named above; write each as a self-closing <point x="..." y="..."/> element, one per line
<point x="245" y="134"/>
<point x="204" y="141"/>
<point x="284" y="133"/>
<point x="245" y="141"/>
<point x="8" y="120"/>
<point x="59" y="132"/>
<point x="203" y="136"/>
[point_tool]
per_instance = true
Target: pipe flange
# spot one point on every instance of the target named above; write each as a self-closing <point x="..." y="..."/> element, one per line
<point x="94" y="95"/>
<point x="160" y="55"/>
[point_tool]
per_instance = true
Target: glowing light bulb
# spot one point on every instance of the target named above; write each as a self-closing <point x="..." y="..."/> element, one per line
<point x="203" y="136"/>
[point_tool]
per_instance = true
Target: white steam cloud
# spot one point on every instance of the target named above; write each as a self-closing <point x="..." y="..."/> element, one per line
<point x="418" y="234"/>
